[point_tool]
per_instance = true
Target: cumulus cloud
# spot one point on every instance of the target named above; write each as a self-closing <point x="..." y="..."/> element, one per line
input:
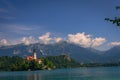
<point x="114" y="44"/>
<point x="28" y="40"/>
<point x="58" y="39"/>
<point x="45" y="38"/>
<point x="80" y="39"/>
<point x="97" y="42"/>
<point x="85" y="40"/>
<point x="3" y="42"/>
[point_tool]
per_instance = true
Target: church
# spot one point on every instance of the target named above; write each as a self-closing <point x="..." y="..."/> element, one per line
<point x="34" y="57"/>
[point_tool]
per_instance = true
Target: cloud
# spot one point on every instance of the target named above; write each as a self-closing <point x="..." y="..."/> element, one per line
<point x="114" y="44"/>
<point x="97" y="42"/>
<point x="16" y="29"/>
<point x="3" y="42"/>
<point x="58" y="39"/>
<point x="21" y="27"/>
<point x="28" y="40"/>
<point x="45" y="38"/>
<point x="80" y="39"/>
<point x="85" y="40"/>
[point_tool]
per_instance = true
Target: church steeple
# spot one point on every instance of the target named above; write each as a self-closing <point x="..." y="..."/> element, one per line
<point x="34" y="54"/>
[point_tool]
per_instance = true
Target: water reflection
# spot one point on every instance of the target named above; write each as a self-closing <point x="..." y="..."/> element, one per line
<point x="50" y="75"/>
<point x="65" y="74"/>
<point x="33" y="76"/>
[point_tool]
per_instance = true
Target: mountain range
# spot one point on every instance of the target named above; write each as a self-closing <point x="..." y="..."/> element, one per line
<point x="78" y="53"/>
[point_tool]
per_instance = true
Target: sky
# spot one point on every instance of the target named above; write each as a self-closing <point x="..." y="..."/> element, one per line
<point x="50" y="21"/>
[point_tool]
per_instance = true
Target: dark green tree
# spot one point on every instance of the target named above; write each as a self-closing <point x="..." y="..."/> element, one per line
<point x="34" y="65"/>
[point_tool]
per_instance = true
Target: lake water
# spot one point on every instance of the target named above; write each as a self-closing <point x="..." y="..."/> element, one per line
<point x="98" y="73"/>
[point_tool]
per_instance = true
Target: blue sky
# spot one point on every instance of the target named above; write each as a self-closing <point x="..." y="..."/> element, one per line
<point x="58" y="18"/>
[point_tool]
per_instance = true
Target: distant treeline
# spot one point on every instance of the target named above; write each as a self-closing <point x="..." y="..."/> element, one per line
<point x="16" y="63"/>
<point x="99" y="64"/>
<point x="63" y="61"/>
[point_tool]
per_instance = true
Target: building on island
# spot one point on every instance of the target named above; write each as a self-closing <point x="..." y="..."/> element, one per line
<point x="34" y="57"/>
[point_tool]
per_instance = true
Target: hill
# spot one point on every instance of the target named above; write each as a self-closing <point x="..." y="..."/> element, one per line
<point x="112" y="55"/>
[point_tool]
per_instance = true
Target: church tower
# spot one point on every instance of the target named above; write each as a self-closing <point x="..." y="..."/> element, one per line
<point x="34" y="54"/>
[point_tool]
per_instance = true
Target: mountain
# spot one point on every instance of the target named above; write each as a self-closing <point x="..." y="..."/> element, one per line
<point x="112" y="55"/>
<point x="78" y="53"/>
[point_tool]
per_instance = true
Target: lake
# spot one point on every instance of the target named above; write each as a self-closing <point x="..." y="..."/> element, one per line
<point x="94" y="73"/>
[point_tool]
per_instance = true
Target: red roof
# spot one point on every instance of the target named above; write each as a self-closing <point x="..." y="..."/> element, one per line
<point x="29" y="58"/>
